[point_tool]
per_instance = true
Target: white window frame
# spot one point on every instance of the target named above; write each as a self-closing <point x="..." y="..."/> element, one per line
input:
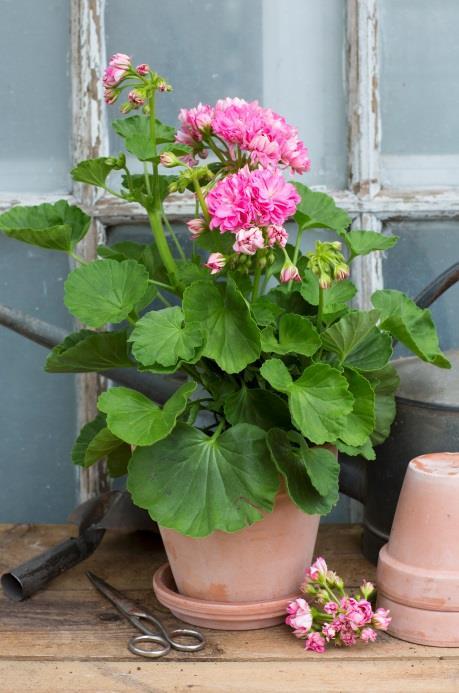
<point x="369" y="204"/>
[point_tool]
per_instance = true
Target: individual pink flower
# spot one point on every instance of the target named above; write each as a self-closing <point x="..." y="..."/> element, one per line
<point x="194" y="121"/>
<point x="142" y="69"/>
<point x="289" y="272"/>
<point x="315" y="642"/>
<point x="277" y="235"/>
<point x="116" y="70"/>
<point x="368" y="635"/>
<point x="347" y="636"/>
<point x="319" y="567"/>
<point x="136" y="97"/>
<point x="358" y="613"/>
<point x="196" y="227"/>
<point x="299" y="617"/>
<point x="381" y="619"/>
<point x="215" y="262"/>
<point x="248" y="241"/>
<point x="329" y="631"/>
<point x="331" y="608"/>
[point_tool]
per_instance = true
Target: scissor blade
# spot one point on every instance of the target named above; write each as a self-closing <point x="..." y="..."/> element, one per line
<point x="124" y="605"/>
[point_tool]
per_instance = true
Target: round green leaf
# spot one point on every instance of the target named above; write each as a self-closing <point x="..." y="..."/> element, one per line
<point x="372" y="353"/>
<point x="105" y="291"/>
<point x="344" y="336"/>
<point x="261" y="408"/>
<point x="232" y="336"/>
<point x="162" y="337"/>
<point x="94" y="171"/>
<point x="57" y="226"/>
<point x="296" y="336"/>
<point x="360" y="422"/>
<point x="291" y="463"/>
<point x="136" y="419"/>
<point x="364" y="242"/>
<point x="318" y="210"/>
<point x="277" y="374"/>
<point x="196" y="484"/>
<point x="385" y="383"/>
<point x="86" y="352"/>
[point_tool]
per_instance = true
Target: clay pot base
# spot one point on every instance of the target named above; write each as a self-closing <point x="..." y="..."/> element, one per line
<point x="217" y="615"/>
<point x="422" y="626"/>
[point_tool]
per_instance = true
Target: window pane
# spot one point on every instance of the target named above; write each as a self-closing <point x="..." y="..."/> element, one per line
<point x="420" y="92"/>
<point x="35" y="87"/>
<point x="426" y="249"/>
<point x="37" y="422"/>
<point x="290" y="60"/>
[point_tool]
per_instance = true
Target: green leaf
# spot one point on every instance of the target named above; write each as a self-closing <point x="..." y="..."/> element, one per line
<point x="86" y="352"/>
<point x="372" y="353"/>
<point x="365" y="450"/>
<point x="318" y="210"/>
<point x="296" y="336"/>
<point x="344" y="336"/>
<point x="146" y="255"/>
<point x="232" y="336"/>
<point x="94" y="171"/>
<point x="105" y="291"/>
<point x="214" y="242"/>
<point x="96" y="442"/>
<point x="118" y="460"/>
<point x="296" y="464"/>
<point x="335" y="298"/>
<point x="189" y="272"/>
<point x="411" y="325"/>
<point x="385" y="383"/>
<point x="136" y="188"/>
<point x="261" y="408"/>
<point x="162" y="337"/>
<point x="86" y="435"/>
<point x="319" y="399"/>
<point x="265" y="311"/>
<point x="196" y="485"/>
<point x="57" y="226"/>
<point x="364" y="242"/>
<point x="136" y="419"/>
<point x="360" y="422"/>
<point x="135" y="131"/>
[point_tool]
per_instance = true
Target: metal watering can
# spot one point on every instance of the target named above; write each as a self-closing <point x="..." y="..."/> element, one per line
<point x="427" y="417"/>
<point x="427" y="420"/>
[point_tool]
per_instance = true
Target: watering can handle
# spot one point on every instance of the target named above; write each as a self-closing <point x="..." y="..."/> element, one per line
<point x="438" y="286"/>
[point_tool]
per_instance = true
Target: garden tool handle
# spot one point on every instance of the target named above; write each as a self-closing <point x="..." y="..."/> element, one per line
<point x="438" y="286"/>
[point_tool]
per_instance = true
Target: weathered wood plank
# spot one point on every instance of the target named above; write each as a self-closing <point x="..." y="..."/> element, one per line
<point x="210" y="677"/>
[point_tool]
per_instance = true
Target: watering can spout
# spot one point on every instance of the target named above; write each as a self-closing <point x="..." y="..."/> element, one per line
<point x="353" y="477"/>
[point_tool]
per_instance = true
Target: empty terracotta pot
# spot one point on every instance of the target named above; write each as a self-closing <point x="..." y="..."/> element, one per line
<point x="252" y="573"/>
<point x="418" y="570"/>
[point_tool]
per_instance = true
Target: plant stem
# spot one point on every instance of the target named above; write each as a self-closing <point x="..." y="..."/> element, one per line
<point x="168" y="287"/>
<point x="174" y="237"/>
<point x="163" y="300"/>
<point x="296" y="252"/>
<point x="256" y="281"/>
<point x="320" y="309"/>
<point x="218" y="430"/>
<point x="78" y="258"/>
<point x="200" y="197"/>
<point x="147" y="177"/>
<point x="215" y="149"/>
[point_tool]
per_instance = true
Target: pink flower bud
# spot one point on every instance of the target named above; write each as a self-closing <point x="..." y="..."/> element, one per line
<point x="342" y="272"/>
<point x="381" y="619"/>
<point x="248" y="241"/>
<point x="136" y="97"/>
<point x="215" y="262"/>
<point x="331" y="608"/>
<point x="367" y="589"/>
<point x="325" y="281"/>
<point x="289" y="273"/>
<point x="110" y="95"/>
<point x="315" y="643"/>
<point x="368" y="635"/>
<point x="169" y="159"/>
<point x="319" y="568"/>
<point x="277" y="235"/>
<point x="121" y="61"/>
<point x="142" y="69"/>
<point x="164" y="86"/>
<point x="196" y="227"/>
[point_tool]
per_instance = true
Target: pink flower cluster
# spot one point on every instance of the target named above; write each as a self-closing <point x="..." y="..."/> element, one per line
<point x="334" y="616"/>
<point x="251" y="198"/>
<point x="265" y="135"/>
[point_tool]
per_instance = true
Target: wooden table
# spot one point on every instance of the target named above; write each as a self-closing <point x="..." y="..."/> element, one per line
<point x="68" y="638"/>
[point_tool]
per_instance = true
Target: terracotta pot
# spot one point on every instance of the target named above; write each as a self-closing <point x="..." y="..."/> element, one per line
<point x="418" y="570"/>
<point x="246" y="577"/>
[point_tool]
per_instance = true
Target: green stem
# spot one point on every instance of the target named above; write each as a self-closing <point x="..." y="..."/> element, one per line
<point x="256" y="281"/>
<point x="215" y="149"/>
<point x="78" y="258"/>
<point x="218" y="430"/>
<point x="163" y="299"/>
<point x="320" y="309"/>
<point x="200" y="197"/>
<point x="174" y="237"/>
<point x="267" y="277"/>
<point x="296" y="252"/>
<point x="113" y="192"/>
<point x="147" y="177"/>
<point x="162" y="284"/>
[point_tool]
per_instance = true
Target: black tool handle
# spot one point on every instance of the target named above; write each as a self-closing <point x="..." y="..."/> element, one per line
<point x="29" y="577"/>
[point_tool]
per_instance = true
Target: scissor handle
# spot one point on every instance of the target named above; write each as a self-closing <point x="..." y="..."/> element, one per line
<point x="189" y="633"/>
<point x="152" y="654"/>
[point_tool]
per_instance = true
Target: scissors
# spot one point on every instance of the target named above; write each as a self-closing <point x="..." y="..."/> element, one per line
<point x="162" y="639"/>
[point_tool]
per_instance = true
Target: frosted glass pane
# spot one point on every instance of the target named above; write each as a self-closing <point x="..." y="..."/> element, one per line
<point x="37" y="409"/>
<point x="420" y="92"/>
<point x="289" y="58"/>
<point x="35" y="87"/>
<point x="426" y="249"/>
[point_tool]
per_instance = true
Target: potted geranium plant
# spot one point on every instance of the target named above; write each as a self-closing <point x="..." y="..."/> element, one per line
<point x="283" y="369"/>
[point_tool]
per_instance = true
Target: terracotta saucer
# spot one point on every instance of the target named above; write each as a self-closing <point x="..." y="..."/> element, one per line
<point x="218" y="615"/>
